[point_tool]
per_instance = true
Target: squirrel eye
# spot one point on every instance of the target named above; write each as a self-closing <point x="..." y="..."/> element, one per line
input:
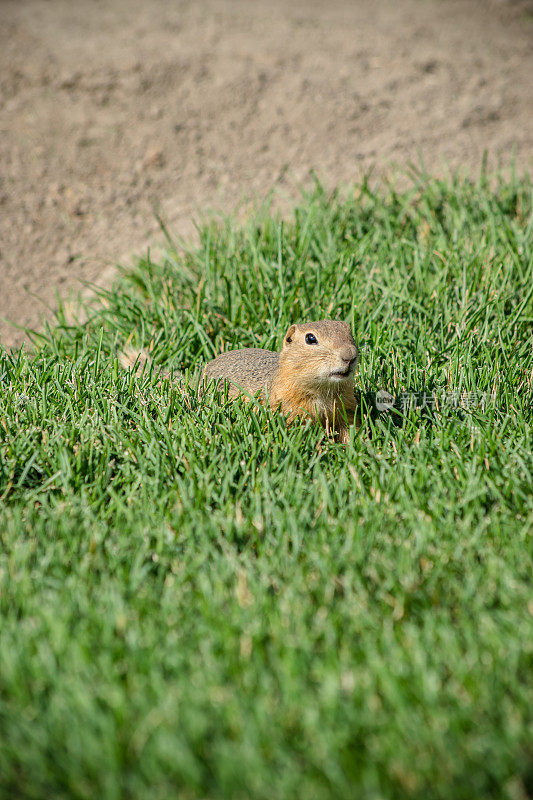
<point x="310" y="338"/>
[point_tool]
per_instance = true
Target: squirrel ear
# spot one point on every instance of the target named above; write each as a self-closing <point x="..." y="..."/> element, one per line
<point x="289" y="334"/>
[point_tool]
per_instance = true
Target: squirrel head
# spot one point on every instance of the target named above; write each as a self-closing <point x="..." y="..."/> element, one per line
<point x="320" y="355"/>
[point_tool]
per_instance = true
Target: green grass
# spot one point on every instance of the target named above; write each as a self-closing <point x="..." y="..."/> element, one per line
<point x="199" y="602"/>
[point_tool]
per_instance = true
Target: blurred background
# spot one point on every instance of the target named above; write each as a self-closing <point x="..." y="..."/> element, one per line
<point x="111" y="110"/>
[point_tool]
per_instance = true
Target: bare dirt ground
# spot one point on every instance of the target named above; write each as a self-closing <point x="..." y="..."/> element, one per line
<point x="111" y="109"/>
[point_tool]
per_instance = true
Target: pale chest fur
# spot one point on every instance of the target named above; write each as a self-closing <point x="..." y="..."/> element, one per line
<point x="333" y="409"/>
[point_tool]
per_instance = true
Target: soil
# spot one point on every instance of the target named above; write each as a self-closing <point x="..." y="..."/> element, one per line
<point x="111" y="110"/>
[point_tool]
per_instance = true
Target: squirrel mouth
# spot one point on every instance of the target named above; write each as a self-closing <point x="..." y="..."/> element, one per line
<point x="341" y="374"/>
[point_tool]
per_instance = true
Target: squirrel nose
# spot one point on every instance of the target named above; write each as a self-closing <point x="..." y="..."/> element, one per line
<point x="349" y="355"/>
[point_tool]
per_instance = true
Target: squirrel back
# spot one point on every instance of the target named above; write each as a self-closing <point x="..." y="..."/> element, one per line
<point x="251" y="369"/>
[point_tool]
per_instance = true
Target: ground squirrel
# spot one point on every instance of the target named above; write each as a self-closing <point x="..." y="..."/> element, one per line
<point x="311" y="377"/>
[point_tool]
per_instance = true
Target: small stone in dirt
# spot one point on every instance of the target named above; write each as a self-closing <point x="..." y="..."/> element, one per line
<point x="154" y="157"/>
<point x="70" y="81"/>
<point x="156" y="112"/>
<point x="429" y="66"/>
<point x="74" y="204"/>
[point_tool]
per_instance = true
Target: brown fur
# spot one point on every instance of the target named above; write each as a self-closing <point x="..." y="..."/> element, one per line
<point x="303" y="385"/>
<point x="298" y="381"/>
<point x="304" y="380"/>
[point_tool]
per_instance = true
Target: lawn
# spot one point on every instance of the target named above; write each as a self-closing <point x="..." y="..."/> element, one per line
<point x="198" y="601"/>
